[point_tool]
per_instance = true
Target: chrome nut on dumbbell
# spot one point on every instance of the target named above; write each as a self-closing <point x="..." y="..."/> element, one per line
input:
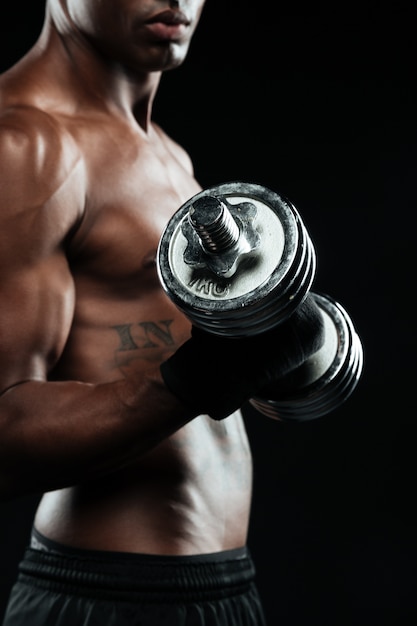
<point x="237" y="260"/>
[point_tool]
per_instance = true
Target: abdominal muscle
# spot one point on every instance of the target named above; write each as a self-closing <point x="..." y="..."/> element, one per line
<point x="190" y="495"/>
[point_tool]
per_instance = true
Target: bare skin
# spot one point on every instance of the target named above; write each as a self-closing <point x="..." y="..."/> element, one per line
<point x="87" y="184"/>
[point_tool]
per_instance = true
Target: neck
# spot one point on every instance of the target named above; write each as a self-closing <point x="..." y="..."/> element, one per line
<point x="94" y="79"/>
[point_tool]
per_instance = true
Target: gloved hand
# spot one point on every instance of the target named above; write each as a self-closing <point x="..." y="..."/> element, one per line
<point x="216" y="375"/>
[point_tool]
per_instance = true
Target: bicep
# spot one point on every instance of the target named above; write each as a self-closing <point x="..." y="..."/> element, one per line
<point x="36" y="310"/>
<point x="36" y="286"/>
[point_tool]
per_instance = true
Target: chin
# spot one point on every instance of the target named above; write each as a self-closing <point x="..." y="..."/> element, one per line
<point x="167" y="57"/>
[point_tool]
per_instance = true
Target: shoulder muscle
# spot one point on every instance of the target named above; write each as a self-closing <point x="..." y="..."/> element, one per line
<point x="36" y="156"/>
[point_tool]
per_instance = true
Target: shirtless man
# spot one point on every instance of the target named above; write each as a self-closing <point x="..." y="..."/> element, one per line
<point x="147" y="488"/>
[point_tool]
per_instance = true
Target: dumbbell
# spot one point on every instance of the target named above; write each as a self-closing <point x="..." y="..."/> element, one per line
<point x="237" y="260"/>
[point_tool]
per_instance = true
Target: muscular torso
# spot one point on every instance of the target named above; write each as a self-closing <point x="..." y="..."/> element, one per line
<point x="191" y="493"/>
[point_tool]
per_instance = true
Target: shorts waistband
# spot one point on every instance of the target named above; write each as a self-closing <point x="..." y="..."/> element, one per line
<point x="118" y="575"/>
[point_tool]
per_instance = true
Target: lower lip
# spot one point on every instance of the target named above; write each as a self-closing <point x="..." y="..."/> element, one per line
<point x="166" y="32"/>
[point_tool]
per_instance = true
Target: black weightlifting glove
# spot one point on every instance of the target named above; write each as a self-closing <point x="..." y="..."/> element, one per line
<point x="216" y="375"/>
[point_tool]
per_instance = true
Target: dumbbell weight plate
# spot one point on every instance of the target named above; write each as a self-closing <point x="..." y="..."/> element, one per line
<point x="269" y="284"/>
<point x="326" y="380"/>
<point x="262" y="315"/>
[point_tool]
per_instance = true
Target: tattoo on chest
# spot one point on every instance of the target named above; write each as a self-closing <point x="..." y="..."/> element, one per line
<point x="144" y="335"/>
<point x="143" y="340"/>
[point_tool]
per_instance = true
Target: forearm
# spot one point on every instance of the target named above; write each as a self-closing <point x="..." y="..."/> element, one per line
<point x="56" y="434"/>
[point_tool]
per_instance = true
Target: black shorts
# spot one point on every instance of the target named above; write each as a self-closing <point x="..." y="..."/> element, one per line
<point x="61" y="586"/>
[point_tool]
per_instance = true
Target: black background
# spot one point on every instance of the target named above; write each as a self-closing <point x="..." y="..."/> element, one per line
<point x="317" y="102"/>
